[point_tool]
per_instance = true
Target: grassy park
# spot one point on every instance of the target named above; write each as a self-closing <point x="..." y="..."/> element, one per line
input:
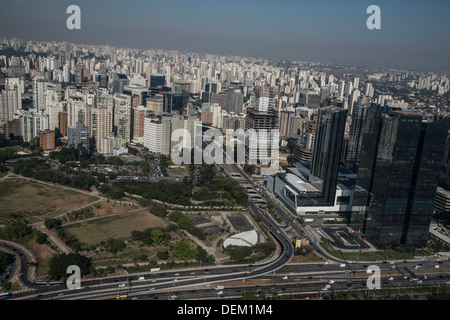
<point x="119" y="226"/>
<point x="22" y="199"/>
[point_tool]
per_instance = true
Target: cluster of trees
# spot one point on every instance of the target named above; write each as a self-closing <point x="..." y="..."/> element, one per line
<point x="157" y="209"/>
<point x="7" y="154"/>
<point x="201" y="175"/>
<point x="250" y="168"/>
<point x="58" y="265"/>
<point x="181" y="193"/>
<point x="71" y="154"/>
<point x="16" y="230"/>
<point x="151" y="236"/>
<point x="205" y="194"/>
<point x="206" y="177"/>
<point x="4" y="259"/>
<point x="113" y="245"/>
<point x="19" y="230"/>
<point x="170" y="192"/>
<point x="164" y="162"/>
<point x="237" y="192"/>
<point x="112" y="191"/>
<point x="39" y="170"/>
<point x="184" y="250"/>
<point x="185" y="223"/>
<point x="250" y="254"/>
<point x="69" y="239"/>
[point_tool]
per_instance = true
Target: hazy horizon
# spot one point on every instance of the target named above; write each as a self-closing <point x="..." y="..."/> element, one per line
<point x="413" y="35"/>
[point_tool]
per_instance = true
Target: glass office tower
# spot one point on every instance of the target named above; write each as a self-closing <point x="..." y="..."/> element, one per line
<point x="399" y="166"/>
<point x="327" y="151"/>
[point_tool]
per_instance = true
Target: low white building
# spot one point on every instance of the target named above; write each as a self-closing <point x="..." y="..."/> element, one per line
<point x="243" y="239"/>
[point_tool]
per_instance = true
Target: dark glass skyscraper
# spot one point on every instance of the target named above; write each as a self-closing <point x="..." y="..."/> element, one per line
<point x="401" y="156"/>
<point x="327" y="151"/>
<point x="359" y="115"/>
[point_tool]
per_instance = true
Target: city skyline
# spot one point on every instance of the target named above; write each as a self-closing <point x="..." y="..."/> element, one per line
<point x="135" y="150"/>
<point x="410" y="37"/>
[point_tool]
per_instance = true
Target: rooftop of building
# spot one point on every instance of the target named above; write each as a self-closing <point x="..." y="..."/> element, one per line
<point x="443" y="191"/>
<point x="405" y="112"/>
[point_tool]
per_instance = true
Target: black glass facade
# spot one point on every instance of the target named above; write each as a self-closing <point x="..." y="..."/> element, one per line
<point x="327" y="151"/>
<point x="399" y="166"/>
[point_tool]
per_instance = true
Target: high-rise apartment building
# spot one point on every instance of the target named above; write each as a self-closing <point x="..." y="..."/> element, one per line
<point x="63" y="123"/>
<point x="9" y="103"/>
<point x="139" y="114"/>
<point x="155" y="104"/>
<point x="123" y="117"/>
<point x="153" y="135"/>
<point x="258" y="146"/>
<point x="47" y="140"/>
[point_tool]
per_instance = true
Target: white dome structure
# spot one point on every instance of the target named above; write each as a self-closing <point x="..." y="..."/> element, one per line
<point x="243" y="239"/>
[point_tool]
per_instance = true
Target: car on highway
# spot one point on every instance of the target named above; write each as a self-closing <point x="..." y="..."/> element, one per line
<point x="436" y="266"/>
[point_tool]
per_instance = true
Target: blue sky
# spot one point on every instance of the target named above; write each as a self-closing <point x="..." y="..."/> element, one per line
<point x="414" y="33"/>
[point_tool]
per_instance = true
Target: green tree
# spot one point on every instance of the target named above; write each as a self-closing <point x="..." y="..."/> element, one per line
<point x="58" y="265"/>
<point x="16" y="230"/>
<point x="183" y="250"/>
<point x="250" y="168"/>
<point x="176" y="215"/>
<point x="158" y="209"/>
<point x="114" y="245"/>
<point x="51" y="223"/>
<point x="185" y="223"/>
<point x="157" y="235"/>
<point x="39" y="236"/>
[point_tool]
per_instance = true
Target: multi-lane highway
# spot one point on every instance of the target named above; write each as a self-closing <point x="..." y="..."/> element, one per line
<point x="289" y="279"/>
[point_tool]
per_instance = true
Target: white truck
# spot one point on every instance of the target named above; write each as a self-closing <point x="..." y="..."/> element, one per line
<point x="219" y="287"/>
